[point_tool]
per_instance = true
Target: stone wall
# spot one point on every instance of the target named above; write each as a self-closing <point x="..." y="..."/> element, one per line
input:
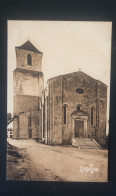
<point x="53" y="111"/>
<point x="27" y="82"/>
<point x="62" y="90"/>
<point x="16" y="128"/>
<point x="87" y="99"/>
<point x="24" y="103"/>
<point x="102" y="108"/>
<point x="23" y="125"/>
<point x="57" y="110"/>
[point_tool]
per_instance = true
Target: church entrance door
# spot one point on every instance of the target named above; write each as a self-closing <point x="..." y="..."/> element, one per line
<point x="79" y="128"/>
<point x="30" y="133"/>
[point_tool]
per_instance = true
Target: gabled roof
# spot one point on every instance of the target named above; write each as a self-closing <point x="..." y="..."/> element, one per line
<point x="77" y="72"/>
<point x="80" y="113"/>
<point x="29" y="46"/>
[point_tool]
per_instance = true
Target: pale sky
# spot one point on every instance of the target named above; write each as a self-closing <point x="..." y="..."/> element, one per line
<point x="66" y="47"/>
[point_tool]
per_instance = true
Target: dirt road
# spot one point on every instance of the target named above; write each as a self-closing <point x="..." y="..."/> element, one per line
<point x="60" y="163"/>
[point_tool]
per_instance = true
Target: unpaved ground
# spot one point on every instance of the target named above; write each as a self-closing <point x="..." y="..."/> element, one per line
<point x="19" y="165"/>
<point x="42" y="162"/>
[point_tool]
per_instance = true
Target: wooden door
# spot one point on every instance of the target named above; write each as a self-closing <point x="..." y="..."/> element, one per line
<point x="79" y="128"/>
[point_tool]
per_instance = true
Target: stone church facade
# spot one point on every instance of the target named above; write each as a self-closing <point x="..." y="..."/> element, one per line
<point x="72" y="105"/>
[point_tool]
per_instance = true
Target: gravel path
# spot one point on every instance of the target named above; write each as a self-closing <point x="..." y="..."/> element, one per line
<point x="60" y="163"/>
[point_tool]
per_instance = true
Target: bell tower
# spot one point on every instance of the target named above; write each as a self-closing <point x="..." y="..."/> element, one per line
<point x="28" y="84"/>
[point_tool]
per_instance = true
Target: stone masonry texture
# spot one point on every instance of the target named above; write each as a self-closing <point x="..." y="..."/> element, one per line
<point x="52" y="114"/>
<point x="62" y="91"/>
<point x="28" y="87"/>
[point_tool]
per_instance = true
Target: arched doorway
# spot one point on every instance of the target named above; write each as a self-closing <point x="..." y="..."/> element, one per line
<point x="79" y="124"/>
<point x="79" y="128"/>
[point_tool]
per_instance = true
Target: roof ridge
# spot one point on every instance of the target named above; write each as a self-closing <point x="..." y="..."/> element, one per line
<point x="29" y="46"/>
<point x="76" y="73"/>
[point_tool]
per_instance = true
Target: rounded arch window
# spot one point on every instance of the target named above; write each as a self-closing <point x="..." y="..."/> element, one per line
<point x="65" y="113"/>
<point x="79" y="107"/>
<point x="29" y="59"/>
<point x="29" y="121"/>
<point x="92" y="115"/>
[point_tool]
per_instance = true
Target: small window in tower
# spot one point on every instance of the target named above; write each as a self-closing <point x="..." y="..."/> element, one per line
<point x="29" y="121"/>
<point x="29" y="59"/>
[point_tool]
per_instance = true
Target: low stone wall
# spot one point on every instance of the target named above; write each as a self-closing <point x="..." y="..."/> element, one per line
<point x="103" y="141"/>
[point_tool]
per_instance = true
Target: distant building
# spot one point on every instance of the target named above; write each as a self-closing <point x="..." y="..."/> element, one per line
<point x="71" y="105"/>
<point x="9" y="133"/>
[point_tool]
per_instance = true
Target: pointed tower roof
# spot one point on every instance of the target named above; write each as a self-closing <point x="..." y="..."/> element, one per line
<point x="30" y="47"/>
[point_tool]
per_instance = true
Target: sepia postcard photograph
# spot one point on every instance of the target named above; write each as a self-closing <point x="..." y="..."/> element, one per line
<point x="58" y="100"/>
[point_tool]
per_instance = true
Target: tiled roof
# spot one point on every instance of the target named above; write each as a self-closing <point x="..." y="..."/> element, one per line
<point x="29" y="46"/>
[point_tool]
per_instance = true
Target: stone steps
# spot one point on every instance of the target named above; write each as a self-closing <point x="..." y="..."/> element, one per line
<point x="85" y="143"/>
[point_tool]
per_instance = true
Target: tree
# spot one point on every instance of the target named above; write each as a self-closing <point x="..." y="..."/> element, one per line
<point x="9" y="117"/>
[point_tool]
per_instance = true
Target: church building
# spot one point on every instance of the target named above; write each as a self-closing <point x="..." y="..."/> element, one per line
<point x="74" y="106"/>
<point x="71" y="106"/>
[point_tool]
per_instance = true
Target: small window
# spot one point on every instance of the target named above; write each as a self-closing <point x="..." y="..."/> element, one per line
<point x="29" y="59"/>
<point x="79" y="91"/>
<point x="65" y="113"/>
<point x="79" y="107"/>
<point x="92" y="116"/>
<point x="29" y="121"/>
<point x="10" y="132"/>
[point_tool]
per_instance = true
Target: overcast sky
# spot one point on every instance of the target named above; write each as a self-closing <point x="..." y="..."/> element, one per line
<point x="67" y="46"/>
